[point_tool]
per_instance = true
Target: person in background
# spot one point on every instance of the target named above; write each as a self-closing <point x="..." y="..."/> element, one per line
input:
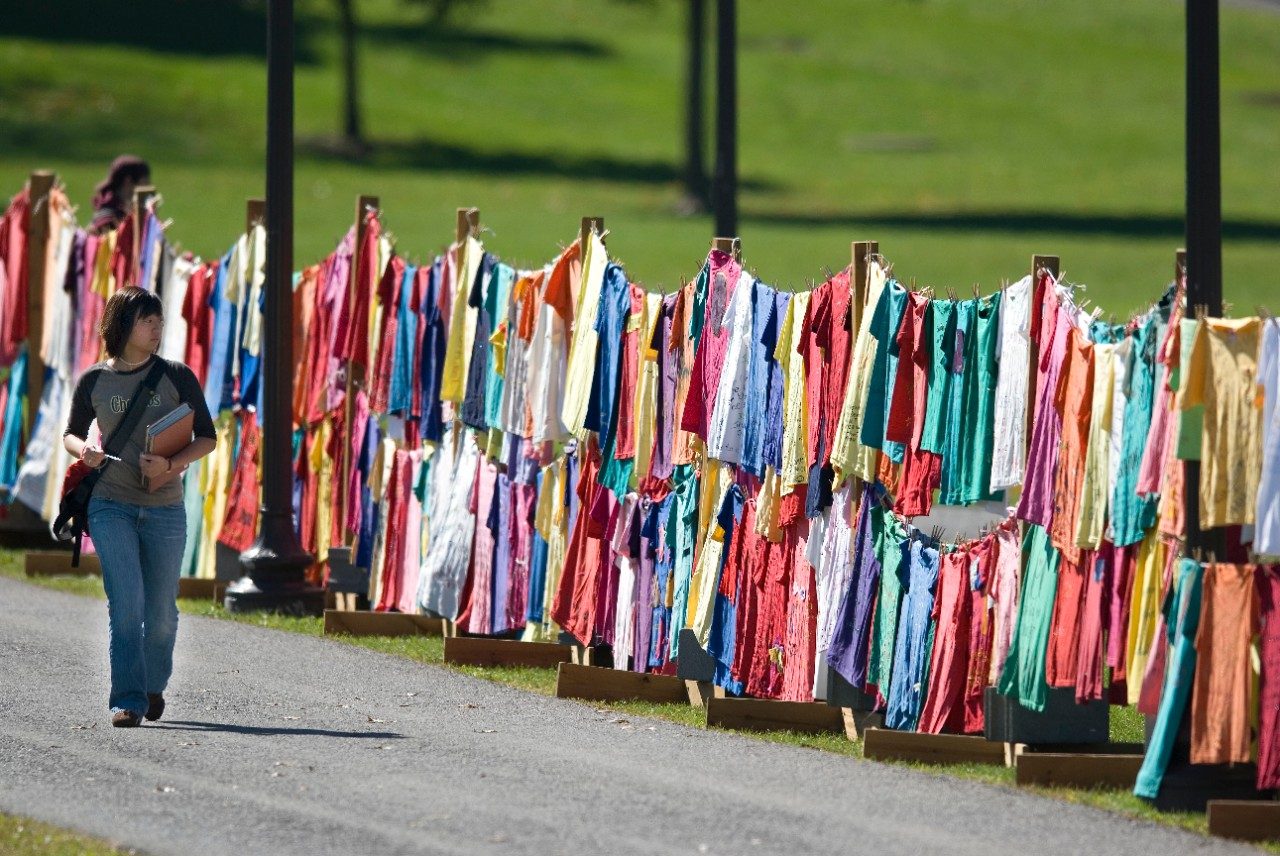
<point x="139" y="534"/>
<point x="113" y="197"/>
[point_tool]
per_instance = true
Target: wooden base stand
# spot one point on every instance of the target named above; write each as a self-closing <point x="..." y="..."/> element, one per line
<point x="1245" y="820"/>
<point x="754" y="714"/>
<point x="57" y="563"/>
<point x="700" y="693"/>
<point x="201" y="589"/>
<point x="341" y="621"/>
<point x="482" y="651"/>
<point x="593" y="683"/>
<point x="884" y="744"/>
<point x="1054" y="769"/>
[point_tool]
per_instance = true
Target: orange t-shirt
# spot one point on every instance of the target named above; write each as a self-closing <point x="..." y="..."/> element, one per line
<point x="1074" y="400"/>
<point x="1220" y="697"/>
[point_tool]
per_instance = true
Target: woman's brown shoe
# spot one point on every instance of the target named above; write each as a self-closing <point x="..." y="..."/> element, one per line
<point x="125" y="719"/>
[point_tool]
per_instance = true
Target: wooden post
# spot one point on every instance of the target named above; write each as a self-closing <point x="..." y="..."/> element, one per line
<point x="732" y="246"/>
<point x="141" y="196"/>
<point x="861" y="273"/>
<point x="589" y="225"/>
<point x="363" y="204"/>
<point x="468" y="223"/>
<point x="255" y="210"/>
<point x="38" y="188"/>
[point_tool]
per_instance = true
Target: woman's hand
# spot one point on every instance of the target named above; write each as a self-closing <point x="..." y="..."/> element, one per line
<point x="153" y="465"/>
<point x="92" y="456"/>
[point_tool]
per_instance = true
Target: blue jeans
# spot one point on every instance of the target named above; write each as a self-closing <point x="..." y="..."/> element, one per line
<point x="140" y="548"/>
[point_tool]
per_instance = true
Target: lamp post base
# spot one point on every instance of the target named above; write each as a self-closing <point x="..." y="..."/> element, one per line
<point x="275" y="574"/>
<point x="298" y="599"/>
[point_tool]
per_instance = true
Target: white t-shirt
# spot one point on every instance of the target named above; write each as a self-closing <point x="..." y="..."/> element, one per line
<point x="1266" y="536"/>
<point x="1009" y="451"/>
<point x="726" y="431"/>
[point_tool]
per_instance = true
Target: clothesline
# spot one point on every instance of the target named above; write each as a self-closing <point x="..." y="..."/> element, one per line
<point x="732" y="466"/>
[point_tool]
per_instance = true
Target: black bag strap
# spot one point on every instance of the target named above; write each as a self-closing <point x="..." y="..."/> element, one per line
<point x="133" y="415"/>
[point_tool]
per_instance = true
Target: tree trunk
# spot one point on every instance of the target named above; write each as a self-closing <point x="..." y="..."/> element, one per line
<point x="695" y="172"/>
<point x="350" y="87"/>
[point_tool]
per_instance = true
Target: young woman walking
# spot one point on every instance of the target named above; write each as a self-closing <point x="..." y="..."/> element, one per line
<point x="139" y="534"/>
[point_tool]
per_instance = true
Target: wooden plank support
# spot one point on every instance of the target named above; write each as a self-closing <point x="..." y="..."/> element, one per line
<point x="1245" y="820"/>
<point x="1077" y="770"/>
<point x="483" y="651"/>
<point x="861" y="271"/>
<point x="255" y="212"/>
<point x="589" y="225"/>
<point x="201" y="589"/>
<point x="700" y="693"/>
<point x="366" y="623"/>
<point x="57" y="563"/>
<point x="858" y="722"/>
<point x="755" y="714"/>
<point x="141" y="196"/>
<point x="596" y="684"/>
<point x="40" y="184"/>
<point x="468" y="224"/>
<point x="732" y="246"/>
<point x="884" y="744"/>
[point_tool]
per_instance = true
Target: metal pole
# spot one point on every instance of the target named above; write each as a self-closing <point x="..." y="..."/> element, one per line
<point x="695" y="159"/>
<point x="276" y="563"/>
<point x="1204" y="203"/>
<point x="1204" y="174"/>
<point x="725" y="183"/>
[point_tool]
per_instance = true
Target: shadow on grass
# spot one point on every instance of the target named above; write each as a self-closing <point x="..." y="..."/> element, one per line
<point x="199" y="27"/>
<point x="267" y="731"/>
<point x="434" y="156"/>
<point x="1072" y="223"/>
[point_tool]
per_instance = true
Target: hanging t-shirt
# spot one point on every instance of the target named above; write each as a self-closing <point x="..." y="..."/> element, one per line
<point x="1222" y="375"/>
<point x="582" y="347"/>
<point x="1183" y="620"/>
<point x="726" y="429"/>
<point x="1010" y="426"/>
<point x="914" y="644"/>
<point x="1094" y="492"/>
<point x="1073" y="399"/>
<point x="1222" y="695"/>
<point x="972" y="473"/>
<point x="1266" y="531"/>
<point x="716" y="287"/>
<point x="1023" y="676"/>
<point x="941" y="327"/>
<point x="885" y="321"/>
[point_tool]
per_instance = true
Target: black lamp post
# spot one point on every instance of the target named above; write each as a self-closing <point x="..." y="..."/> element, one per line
<point x="724" y="187"/>
<point x="275" y="566"/>
<point x="1204" y="202"/>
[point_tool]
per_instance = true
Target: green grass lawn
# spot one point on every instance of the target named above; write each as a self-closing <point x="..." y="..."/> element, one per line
<point x="20" y="836"/>
<point x="963" y="136"/>
<point x="1126" y="723"/>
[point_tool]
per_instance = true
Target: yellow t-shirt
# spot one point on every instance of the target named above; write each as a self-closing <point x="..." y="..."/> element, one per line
<point x="1223" y="376"/>
<point x="645" y="408"/>
<point x="462" y="321"/>
<point x="795" y="463"/>
<point x="848" y="456"/>
<point x="582" y="347"/>
<point x="1144" y="609"/>
<point x="1093" y="502"/>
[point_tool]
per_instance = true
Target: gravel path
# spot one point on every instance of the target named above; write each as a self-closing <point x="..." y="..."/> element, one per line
<point x="280" y="743"/>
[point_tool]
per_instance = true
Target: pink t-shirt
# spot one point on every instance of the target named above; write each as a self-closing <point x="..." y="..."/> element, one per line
<point x="708" y="363"/>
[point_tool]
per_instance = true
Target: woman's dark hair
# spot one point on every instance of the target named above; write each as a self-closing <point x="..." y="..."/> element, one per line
<point x="122" y="311"/>
<point x="125" y="167"/>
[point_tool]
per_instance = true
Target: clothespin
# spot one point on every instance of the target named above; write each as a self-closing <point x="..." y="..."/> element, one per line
<point x="825" y="269"/>
<point x="976" y="295"/>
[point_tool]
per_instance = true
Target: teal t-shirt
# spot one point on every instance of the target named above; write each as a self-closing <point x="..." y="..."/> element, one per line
<point x="885" y="321"/>
<point x="940" y="323"/>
